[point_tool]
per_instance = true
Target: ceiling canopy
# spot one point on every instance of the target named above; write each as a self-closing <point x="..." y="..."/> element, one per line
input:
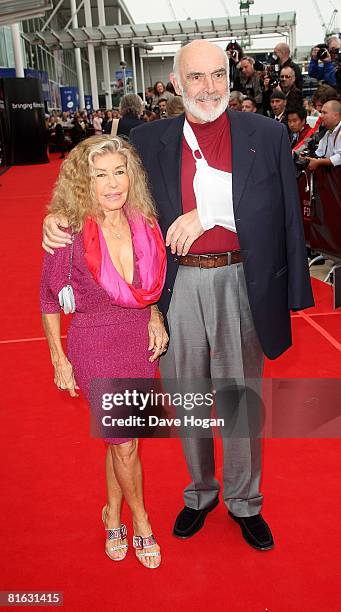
<point x="12" y="11"/>
<point x="179" y="31"/>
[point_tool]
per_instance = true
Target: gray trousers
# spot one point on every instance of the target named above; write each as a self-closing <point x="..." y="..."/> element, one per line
<point x="212" y="335"/>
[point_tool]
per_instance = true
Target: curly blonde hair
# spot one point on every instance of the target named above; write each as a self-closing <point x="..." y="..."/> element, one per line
<point x="74" y="194"/>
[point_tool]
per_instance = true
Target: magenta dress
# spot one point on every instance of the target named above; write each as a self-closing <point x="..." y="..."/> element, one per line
<point x="104" y="340"/>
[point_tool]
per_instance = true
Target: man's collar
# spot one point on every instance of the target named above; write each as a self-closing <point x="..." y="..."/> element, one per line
<point x="335" y="128"/>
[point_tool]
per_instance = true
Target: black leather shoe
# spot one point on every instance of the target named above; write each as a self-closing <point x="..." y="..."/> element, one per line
<point x="189" y="521"/>
<point x="255" y="531"/>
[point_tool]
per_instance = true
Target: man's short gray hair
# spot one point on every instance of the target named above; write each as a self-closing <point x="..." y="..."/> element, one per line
<point x="237" y="95"/>
<point x="248" y="58"/>
<point x="332" y="39"/>
<point x="131" y="103"/>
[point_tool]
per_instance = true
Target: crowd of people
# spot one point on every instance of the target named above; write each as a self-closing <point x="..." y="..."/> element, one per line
<point x="273" y="89"/>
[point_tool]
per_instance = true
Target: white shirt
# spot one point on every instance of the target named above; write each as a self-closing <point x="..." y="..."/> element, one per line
<point x="330" y="145"/>
<point x="97" y="123"/>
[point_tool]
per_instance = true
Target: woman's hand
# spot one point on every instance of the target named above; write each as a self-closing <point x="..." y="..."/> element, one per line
<point x="64" y="377"/>
<point x="158" y="337"/>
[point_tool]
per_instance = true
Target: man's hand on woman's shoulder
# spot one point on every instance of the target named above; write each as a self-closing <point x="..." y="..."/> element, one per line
<point x="53" y="236"/>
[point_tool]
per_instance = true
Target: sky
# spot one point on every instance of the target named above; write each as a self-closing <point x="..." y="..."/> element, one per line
<point x="308" y="30"/>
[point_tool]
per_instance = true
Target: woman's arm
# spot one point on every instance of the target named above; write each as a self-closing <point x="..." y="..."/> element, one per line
<point x="63" y="370"/>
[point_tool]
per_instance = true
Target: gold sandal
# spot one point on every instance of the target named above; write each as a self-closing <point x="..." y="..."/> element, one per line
<point x="118" y="533"/>
<point x="140" y="543"/>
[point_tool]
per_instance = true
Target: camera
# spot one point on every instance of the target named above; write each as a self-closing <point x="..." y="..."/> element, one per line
<point x="271" y="72"/>
<point x="300" y="161"/>
<point x="323" y="51"/>
<point x="233" y="50"/>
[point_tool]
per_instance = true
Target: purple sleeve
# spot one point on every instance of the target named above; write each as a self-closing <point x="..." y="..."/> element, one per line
<point x="54" y="277"/>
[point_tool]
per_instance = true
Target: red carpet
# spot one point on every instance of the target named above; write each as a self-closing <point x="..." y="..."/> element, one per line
<point x="53" y="478"/>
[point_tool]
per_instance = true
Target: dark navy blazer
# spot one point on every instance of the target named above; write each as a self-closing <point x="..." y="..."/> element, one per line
<point x="267" y="214"/>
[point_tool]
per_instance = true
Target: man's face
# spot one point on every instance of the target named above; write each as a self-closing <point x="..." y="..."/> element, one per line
<point x="334" y="45"/>
<point x="248" y="107"/>
<point x="277" y="106"/>
<point x="287" y="79"/>
<point x="295" y="123"/>
<point x="235" y="105"/>
<point x="278" y="52"/>
<point x="162" y="106"/>
<point x="246" y="68"/>
<point x="203" y="81"/>
<point x="329" y="118"/>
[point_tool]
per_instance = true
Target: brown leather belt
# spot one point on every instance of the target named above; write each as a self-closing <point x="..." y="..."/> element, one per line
<point x="211" y="260"/>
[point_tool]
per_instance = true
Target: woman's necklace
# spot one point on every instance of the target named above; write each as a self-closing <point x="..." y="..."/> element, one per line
<point x="112" y="230"/>
<point x="117" y="235"/>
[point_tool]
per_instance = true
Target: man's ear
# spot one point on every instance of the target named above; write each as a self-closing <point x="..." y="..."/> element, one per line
<point x="175" y="83"/>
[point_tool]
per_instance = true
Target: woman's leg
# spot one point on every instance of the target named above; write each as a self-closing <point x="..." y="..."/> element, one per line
<point x="112" y="513"/>
<point x="128" y="472"/>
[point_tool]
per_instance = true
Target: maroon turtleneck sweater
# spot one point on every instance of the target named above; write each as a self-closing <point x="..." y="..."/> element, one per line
<point x="214" y="139"/>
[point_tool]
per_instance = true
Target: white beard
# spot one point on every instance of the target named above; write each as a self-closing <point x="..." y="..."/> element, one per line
<point x="191" y="106"/>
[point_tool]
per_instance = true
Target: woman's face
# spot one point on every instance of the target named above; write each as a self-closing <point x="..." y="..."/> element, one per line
<point x="111" y="181"/>
<point x="160" y="88"/>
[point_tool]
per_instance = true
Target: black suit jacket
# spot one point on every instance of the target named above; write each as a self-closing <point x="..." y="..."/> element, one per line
<point x="267" y="214"/>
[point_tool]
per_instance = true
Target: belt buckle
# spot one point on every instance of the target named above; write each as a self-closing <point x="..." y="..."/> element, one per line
<point x="200" y="257"/>
<point x="229" y="258"/>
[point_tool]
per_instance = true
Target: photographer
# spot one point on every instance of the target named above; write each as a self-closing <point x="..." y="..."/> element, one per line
<point x="334" y="46"/>
<point x="281" y="57"/>
<point x="250" y="82"/>
<point x="328" y="152"/>
<point x="321" y="66"/>
<point x="235" y="54"/>
<point x="285" y="84"/>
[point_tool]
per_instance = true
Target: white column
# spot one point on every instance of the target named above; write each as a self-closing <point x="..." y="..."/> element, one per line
<point x="293" y="38"/>
<point x="105" y="57"/>
<point x="134" y="66"/>
<point x="91" y="58"/>
<point x="142" y="77"/>
<point x="78" y="57"/>
<point x="119" y="20"/>
<point x="17" y="48"/>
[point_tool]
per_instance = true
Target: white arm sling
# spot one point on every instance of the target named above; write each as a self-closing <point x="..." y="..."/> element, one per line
<point x="212" y="189"/>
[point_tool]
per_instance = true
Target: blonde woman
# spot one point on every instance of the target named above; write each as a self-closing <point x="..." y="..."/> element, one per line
<point x="118" y="270"/>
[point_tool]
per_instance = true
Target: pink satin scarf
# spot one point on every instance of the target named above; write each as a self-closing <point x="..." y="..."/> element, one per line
<point x="150" y="258"/>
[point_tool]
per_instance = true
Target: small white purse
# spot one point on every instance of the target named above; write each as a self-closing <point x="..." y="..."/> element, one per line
<point x="66" y="296"/>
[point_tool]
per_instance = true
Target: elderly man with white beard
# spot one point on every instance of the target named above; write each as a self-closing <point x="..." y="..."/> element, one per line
<point x="226" y="194"/>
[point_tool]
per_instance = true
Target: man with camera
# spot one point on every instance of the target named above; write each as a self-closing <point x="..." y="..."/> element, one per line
<point x="285" y="85"/>
<point x="328" y="152"/>
<point x="321" y="66"/>
<point x="250" y="83"/>
<point x="281" y="57"/>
